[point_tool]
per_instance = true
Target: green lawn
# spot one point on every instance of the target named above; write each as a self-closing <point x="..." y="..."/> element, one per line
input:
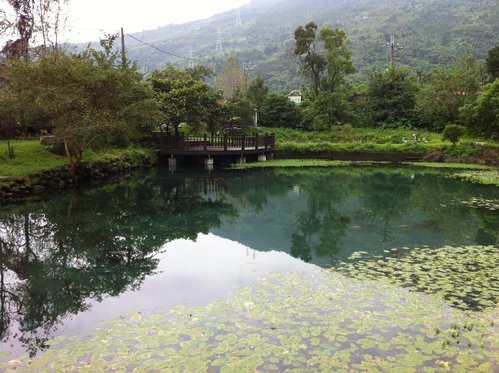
<point x="32" y="157"/>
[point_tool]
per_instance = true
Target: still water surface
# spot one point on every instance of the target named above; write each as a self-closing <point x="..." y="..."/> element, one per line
<point x="155" y="240"/>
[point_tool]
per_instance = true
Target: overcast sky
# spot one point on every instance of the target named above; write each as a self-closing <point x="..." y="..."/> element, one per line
<point x="88" y="17"/>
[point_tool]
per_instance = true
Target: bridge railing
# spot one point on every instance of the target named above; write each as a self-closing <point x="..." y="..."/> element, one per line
<point x="225" y="142"/>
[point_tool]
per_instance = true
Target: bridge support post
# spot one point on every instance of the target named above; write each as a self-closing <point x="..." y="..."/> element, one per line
<point x="262" y="158"/>
<point x="172" y="163"/>
<point x="241" y="159"/>
<point x="209" y="161"/>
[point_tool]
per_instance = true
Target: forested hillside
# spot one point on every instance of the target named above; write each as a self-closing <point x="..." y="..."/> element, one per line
<point x="431" y="32"/>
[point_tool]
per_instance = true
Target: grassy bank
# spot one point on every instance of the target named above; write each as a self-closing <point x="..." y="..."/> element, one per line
<point x="32" y="157"/>
<point x="472" y="172"/>
<point x="348" y="139"/>
<point x="300" y="163"/>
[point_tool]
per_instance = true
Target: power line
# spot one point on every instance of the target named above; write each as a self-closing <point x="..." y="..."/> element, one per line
<point x="161" y="50"/>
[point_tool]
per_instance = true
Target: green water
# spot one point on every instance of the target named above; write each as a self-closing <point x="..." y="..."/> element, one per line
<point x="155" y="240"/>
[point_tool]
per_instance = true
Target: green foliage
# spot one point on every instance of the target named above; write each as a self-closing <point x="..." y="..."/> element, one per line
<point x="323" y="52"/>
<point x="89" y="99"/>
<point x="241" y="111"/>
<point x="184" y="99"/>
<point x="482" y="115"/>
<point x="326" y="110"/>
<point x="313" y="64"/>
<point x="338" y="57"/>
<point x="257" y="92"/>
<point x="279" y="111"/>
<point x="392" y="96"/>
<point x="447" y="90"/>
<point x="492" y="62"/>
<point x="453" y="132"/>
<point x="32" y="157"/>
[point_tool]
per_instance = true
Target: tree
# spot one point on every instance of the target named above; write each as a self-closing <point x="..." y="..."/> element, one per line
<point x="482" y="115"/>
<point x="8" y="123"/>
<point x="453" y="132"/>
<point x="338" y="57"/>
<point x="492" y="62"/>
<point x="199" y="72"/>
<point x="392" y="98"/>
<point x="23" y="25"/>
<point x="257" y="92"/>
<point x="278" y="111"/>
<point x="313" y="64"/>
<point x="91" y="100"/>
<point x="231" y="80"/>
<point x="447" y="90"/>
<point x="326" y="110"/>
<point x="31" y="18"/>
<point x="183" y="99"/>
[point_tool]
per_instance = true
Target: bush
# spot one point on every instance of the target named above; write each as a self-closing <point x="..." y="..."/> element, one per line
<point x="452" y="133"/>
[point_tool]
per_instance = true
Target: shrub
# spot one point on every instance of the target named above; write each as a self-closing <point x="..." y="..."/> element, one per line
<point x="452" y="133"/>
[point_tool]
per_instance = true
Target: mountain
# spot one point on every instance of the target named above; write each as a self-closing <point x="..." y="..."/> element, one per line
<point x="431" y="32"/>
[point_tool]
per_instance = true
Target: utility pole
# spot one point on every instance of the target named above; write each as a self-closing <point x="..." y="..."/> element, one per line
<point x="238" y="19"/>
<point x="218" y="48"/>
<point x="123" y="51"/>
<point x="247" y="67"/>
<point x="191" y="58"/>
<point x="393" y="50"/>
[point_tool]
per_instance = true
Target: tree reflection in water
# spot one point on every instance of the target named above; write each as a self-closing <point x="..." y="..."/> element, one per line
<point x="57" y="256"/>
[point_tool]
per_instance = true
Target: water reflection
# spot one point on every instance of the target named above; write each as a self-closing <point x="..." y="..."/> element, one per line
<point x="57" y="255"/>
<point x="60" y="257"/>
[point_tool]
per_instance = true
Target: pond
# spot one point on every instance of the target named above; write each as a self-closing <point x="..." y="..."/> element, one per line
<point x="155" y="240"/>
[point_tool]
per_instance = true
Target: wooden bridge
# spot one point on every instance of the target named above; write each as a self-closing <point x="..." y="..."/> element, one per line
<point x="239" y="147"/>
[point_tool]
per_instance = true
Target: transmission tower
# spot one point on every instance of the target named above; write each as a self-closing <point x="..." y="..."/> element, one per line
<point x="191" y="58"/>
<point x="218" y="48"/>
<point x="238" y="19"/>
<point x="393" y="50"/>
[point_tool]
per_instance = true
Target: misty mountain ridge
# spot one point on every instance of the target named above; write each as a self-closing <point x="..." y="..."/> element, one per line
<point x="431" y="32"/>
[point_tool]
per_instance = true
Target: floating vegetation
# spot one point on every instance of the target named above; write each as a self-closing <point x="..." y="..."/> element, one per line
<point x="490" y="176"/>
<point x="322" y="321"/>
<point x="479" y="202"/>
<point x="465" y="277"/>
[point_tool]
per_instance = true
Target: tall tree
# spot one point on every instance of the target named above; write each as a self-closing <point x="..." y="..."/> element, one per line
<point x="231" y="81"/>
<point x="23" y="25"/>
<point x="338" y="57"/>
<point x="313" y="63"/>
<point x="31" y="18"/>
<point x="257" y="92"/>
<point x="492" y="62"/>
<point x="447" y="90"/>
<point x="279" y="111"/>
<point x="392" y="98"/>
<point x="482" y="115"/>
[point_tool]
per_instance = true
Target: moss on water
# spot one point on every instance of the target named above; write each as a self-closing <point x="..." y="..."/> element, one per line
<point x="321" y="321"/>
